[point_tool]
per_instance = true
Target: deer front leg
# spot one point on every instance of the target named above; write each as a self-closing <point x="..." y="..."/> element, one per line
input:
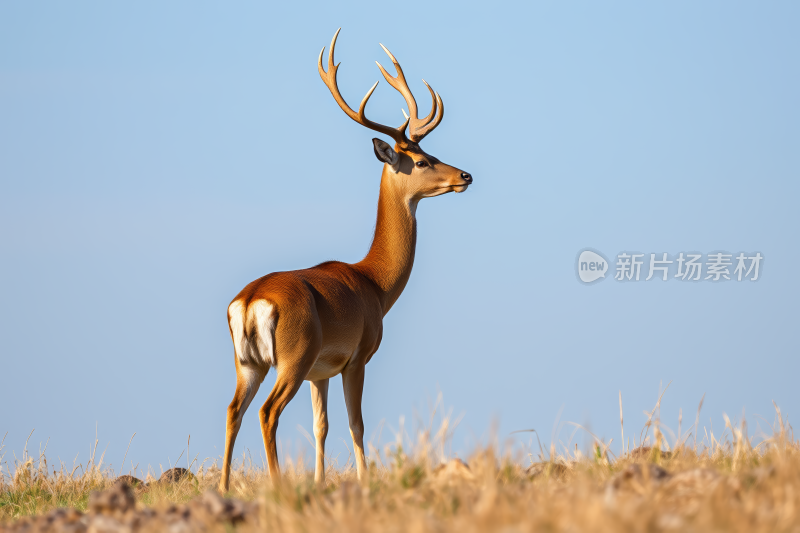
<point x="353" y="382"/>
<point x="319" y="402"/>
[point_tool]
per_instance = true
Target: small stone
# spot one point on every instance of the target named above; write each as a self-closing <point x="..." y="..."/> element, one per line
<point x="639" y="473"/>
<point x="106" y="524"/>
<point x="173" y="475"/>
<point x="635" y="479"/>
<point x="547" y="469"/>
<point x="644" y="452"/>
<point x="66" y="520"/>
<point x="118" y="499"/>
<point x="214" y="503"/>
<point x="134" y="482"/>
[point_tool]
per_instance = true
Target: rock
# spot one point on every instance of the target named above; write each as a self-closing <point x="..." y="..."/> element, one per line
<point x="640" y="473"/>
<point x="66" y="520"/>
<point x="106" y="524"/>
<point x="173" y="475"/>
<point x="176" y="514"/>
<point x="635" y="479"/>
<point x="114" y="511"/>
<point x="223" y="510"/>
<point x="117" y="500"/>
<point x="547" y="469"/>
<point x="134" y="482"/>
<point x="213" y="502"/>
<point x="645" y="452"/>
<point x="61" y="520"/>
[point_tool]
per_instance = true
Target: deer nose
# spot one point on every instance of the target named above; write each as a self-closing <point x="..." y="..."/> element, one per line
<point x="466" y="176"/>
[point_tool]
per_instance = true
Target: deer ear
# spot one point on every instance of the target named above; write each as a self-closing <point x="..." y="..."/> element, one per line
<point x="385" y="153"/>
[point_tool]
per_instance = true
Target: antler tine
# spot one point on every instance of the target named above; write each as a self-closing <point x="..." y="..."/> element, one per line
<point x="331" y="65"/>
<point x="399" y="83"/>
<point x="418" y="128"/>
<point x="329" y="78"/>
<point x="398" y="134"/>
<point x="417" y="134"/>
<point x="427" y="120"/>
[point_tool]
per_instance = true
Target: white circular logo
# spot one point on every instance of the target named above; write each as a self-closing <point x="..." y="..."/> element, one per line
<point x="591" y="266"/>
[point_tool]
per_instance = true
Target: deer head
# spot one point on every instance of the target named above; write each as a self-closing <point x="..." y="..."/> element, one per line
<point x="418" y="174"/>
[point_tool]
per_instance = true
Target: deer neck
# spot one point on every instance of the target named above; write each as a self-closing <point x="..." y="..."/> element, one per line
<point x="390" y="258"/>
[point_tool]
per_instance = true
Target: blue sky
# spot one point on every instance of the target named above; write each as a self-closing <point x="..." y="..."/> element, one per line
<point x="156" y="158"/>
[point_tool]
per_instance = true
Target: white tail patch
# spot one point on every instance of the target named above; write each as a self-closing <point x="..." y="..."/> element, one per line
<point x="253" y="331"/>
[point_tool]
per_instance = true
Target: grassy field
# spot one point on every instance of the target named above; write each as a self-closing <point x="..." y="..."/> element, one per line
<point x="697" y="481"/>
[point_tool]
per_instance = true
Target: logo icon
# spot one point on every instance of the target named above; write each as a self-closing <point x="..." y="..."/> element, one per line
<point x="592" y="266"/>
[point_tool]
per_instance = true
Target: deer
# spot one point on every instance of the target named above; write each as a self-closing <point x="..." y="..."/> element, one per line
<point x="316" y="323"/>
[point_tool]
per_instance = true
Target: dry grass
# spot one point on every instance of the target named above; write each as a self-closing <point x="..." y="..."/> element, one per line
<point x="729" y="482"/>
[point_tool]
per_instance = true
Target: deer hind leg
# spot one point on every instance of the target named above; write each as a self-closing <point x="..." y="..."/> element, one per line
<point x="319" y="402"/>
<point x="253" y="332"/>
<point x="353" y="383"/>
<point x="286" y="386"/>
<point x="248" y="380"/>
<point x="302" y="339"/>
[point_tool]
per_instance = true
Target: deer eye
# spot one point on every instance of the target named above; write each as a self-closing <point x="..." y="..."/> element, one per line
<point x="422" y="164"/>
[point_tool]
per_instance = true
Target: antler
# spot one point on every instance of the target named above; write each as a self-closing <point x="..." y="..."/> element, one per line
<point x="329" y="77"/>
<point x="419" y="128"/>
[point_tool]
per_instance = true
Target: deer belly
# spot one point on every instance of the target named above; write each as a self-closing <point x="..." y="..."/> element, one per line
<point x="331" y="360"/>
